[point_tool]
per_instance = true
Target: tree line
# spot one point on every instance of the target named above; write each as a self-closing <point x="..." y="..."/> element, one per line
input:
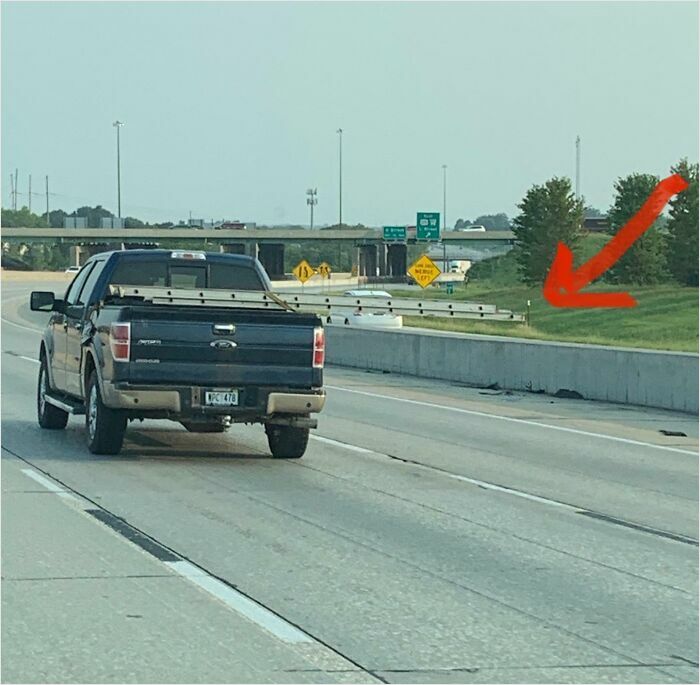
<point x="550" y="213"/>
<point x="23" y="218"/>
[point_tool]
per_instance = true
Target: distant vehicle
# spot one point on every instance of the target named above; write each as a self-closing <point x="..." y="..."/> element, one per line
<point x="355" y="317"/>
<point x="470" y="229"/>
<point x="367" y="293"/>
<point x="72" y="269"/>
<point x="460" y="266"/>
<point x="233" y="225"/>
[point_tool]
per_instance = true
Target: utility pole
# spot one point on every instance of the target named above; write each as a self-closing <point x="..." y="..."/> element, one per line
<point x="48" y="222"/>
<point x="30" y="193"/>
<point x="578" y="167"/>
<point x="311" y="200"/>
<point x="16" y="189"/>
<point x="340" y="177"/>
<point x="118" y="124"/>
<point x="12" y="191"/>
<point x="444" y="216"/>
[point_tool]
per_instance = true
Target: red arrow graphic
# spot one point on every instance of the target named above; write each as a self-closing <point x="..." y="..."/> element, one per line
<point x="562" y="285"/>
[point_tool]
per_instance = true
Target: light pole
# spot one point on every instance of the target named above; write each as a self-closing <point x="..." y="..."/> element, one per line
<point x="578" y="167"/>
<point x="118" y="124"/>
<point x="340" y="176"/>
<point x="444" y="216"/>
<point x="311" y="200"/>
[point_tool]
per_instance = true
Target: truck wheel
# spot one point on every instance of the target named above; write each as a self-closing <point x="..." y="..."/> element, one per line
<point x="50" y="417"/>
<point x="199" y="427"/>
<point x="287" y="442"/>
<point x="105" y="427"/>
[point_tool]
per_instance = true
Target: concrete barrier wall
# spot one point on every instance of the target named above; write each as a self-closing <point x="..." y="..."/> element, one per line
<point x="667" y="380"/>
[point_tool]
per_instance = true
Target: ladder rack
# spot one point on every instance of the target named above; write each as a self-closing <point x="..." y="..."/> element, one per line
<point x="319" y="304"/>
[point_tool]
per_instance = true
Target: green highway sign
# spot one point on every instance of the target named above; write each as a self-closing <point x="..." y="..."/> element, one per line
<point x="394" y="233"/>
<point x="428" y="226"/>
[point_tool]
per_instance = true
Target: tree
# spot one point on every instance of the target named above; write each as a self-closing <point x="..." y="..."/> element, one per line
<point x="21" y="218"/>
<point x="462" y="223"/>
<point x="683" y="227"/>
<point x="549" y="213"/>
<point x="592" y="213"/>
<point x="56" y="218"/>
<point x="493" y="222"/>
<point x="94" y="215"/>
<point x="131" y="222"/>
<point x="644" y="263"/>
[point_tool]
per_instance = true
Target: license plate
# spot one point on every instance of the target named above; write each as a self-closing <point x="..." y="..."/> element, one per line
<point x="221" y="398"/>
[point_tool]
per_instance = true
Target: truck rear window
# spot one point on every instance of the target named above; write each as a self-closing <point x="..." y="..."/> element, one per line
<point x="216" y="276"/>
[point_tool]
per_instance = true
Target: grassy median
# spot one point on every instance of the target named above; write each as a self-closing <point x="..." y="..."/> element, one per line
<point x="666" y="317"/>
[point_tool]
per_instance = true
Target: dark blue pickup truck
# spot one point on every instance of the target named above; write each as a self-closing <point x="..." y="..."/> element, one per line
<point x="115" y="357"/>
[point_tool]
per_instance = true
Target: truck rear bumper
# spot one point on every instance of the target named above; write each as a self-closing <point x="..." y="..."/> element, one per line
<point x="186" y="401"/>
<point x="294" y="403"/>
<point x="120" y="397"/>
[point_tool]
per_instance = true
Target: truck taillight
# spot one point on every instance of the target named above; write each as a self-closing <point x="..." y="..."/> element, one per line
<point x="120" y="341"/>
<point x="319" y="347"/>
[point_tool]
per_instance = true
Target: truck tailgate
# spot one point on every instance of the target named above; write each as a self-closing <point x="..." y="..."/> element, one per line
<point x="182" y="345"/>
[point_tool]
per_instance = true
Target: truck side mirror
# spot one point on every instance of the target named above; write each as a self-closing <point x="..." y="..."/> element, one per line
<point x="43" y="301"/>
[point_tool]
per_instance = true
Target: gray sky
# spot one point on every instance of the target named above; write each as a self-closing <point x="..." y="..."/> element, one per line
<point x="231" y="108"/>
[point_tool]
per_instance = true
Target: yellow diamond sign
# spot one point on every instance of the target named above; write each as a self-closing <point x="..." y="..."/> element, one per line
<point x="424" y="271"/>
<point x="324" y="269"/>
<point x="303" y="271"/>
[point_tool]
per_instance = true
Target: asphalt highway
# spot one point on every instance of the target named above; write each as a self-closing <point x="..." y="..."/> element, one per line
<point x="431" y="533"/>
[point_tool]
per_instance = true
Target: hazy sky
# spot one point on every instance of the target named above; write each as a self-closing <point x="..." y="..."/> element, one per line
<point x="231" y="108"/>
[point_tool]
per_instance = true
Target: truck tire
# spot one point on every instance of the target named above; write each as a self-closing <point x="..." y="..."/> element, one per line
<point x="201" y="427"/>
<point x="50" y="417"/>
<point x="287" y="442"/>
<point x="105" y="427"/>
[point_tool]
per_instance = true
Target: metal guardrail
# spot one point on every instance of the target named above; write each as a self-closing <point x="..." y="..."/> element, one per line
<point x="326" y="304"/>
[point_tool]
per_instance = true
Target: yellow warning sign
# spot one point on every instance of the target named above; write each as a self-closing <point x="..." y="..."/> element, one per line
<point x="303" y="271"/>
<point x="324" y="269"/>
<point x="424" y="271"/>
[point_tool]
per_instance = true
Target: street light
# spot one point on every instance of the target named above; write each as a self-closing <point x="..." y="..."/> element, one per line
<point x="340" y="176"/>
<point x="311" y="201"/>
<point x="118" y="124"/>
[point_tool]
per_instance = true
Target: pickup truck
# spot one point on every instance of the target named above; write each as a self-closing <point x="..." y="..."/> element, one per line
<point x="116" y="357"/>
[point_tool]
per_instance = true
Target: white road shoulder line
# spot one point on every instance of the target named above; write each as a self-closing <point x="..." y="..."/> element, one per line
<point x="18" y="325"/>
<point x="49" y="485"/>
<point x="240" y="603"/>
<point x="28" y="359"/>
<point x="511" y="419"/>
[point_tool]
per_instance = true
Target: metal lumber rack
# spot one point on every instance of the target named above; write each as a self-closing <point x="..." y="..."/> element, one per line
<point x="325" y="304"/>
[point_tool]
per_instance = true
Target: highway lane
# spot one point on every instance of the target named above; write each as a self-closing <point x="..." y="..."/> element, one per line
<point x="407" y="572"/>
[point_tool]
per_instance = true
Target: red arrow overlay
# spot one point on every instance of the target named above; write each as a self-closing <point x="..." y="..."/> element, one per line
<point x="562" y="285"/>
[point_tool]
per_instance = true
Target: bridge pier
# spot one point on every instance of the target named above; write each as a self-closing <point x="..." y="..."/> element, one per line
<point x="271" y="256"/>
<point x="397" y="260"/>
<point x="232" y="248"/>
<point x="381" y="259"/>
<point x="367" y="261"/>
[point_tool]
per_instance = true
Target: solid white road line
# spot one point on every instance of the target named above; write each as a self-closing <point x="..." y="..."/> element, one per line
<point x="473" y="481"/>
<point x="29" y="359"/>
<point x="48" y="484"/>
<point x="345" y="445"/>
<point x="511" y="419"/>
<point x="18" y="325"/>
<point x="240" y="603"/>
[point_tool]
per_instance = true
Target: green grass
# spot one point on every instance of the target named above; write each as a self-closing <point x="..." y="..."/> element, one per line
<point x="665" y="318"/>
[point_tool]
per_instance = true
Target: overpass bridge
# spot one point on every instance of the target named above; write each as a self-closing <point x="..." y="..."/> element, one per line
<point x="371" y="254"/>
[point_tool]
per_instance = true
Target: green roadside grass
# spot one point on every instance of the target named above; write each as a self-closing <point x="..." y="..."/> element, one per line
<point x="665" y="318"/>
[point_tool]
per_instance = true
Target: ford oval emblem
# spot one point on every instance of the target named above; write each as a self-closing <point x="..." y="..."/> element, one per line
<point x="223" y="344"/>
